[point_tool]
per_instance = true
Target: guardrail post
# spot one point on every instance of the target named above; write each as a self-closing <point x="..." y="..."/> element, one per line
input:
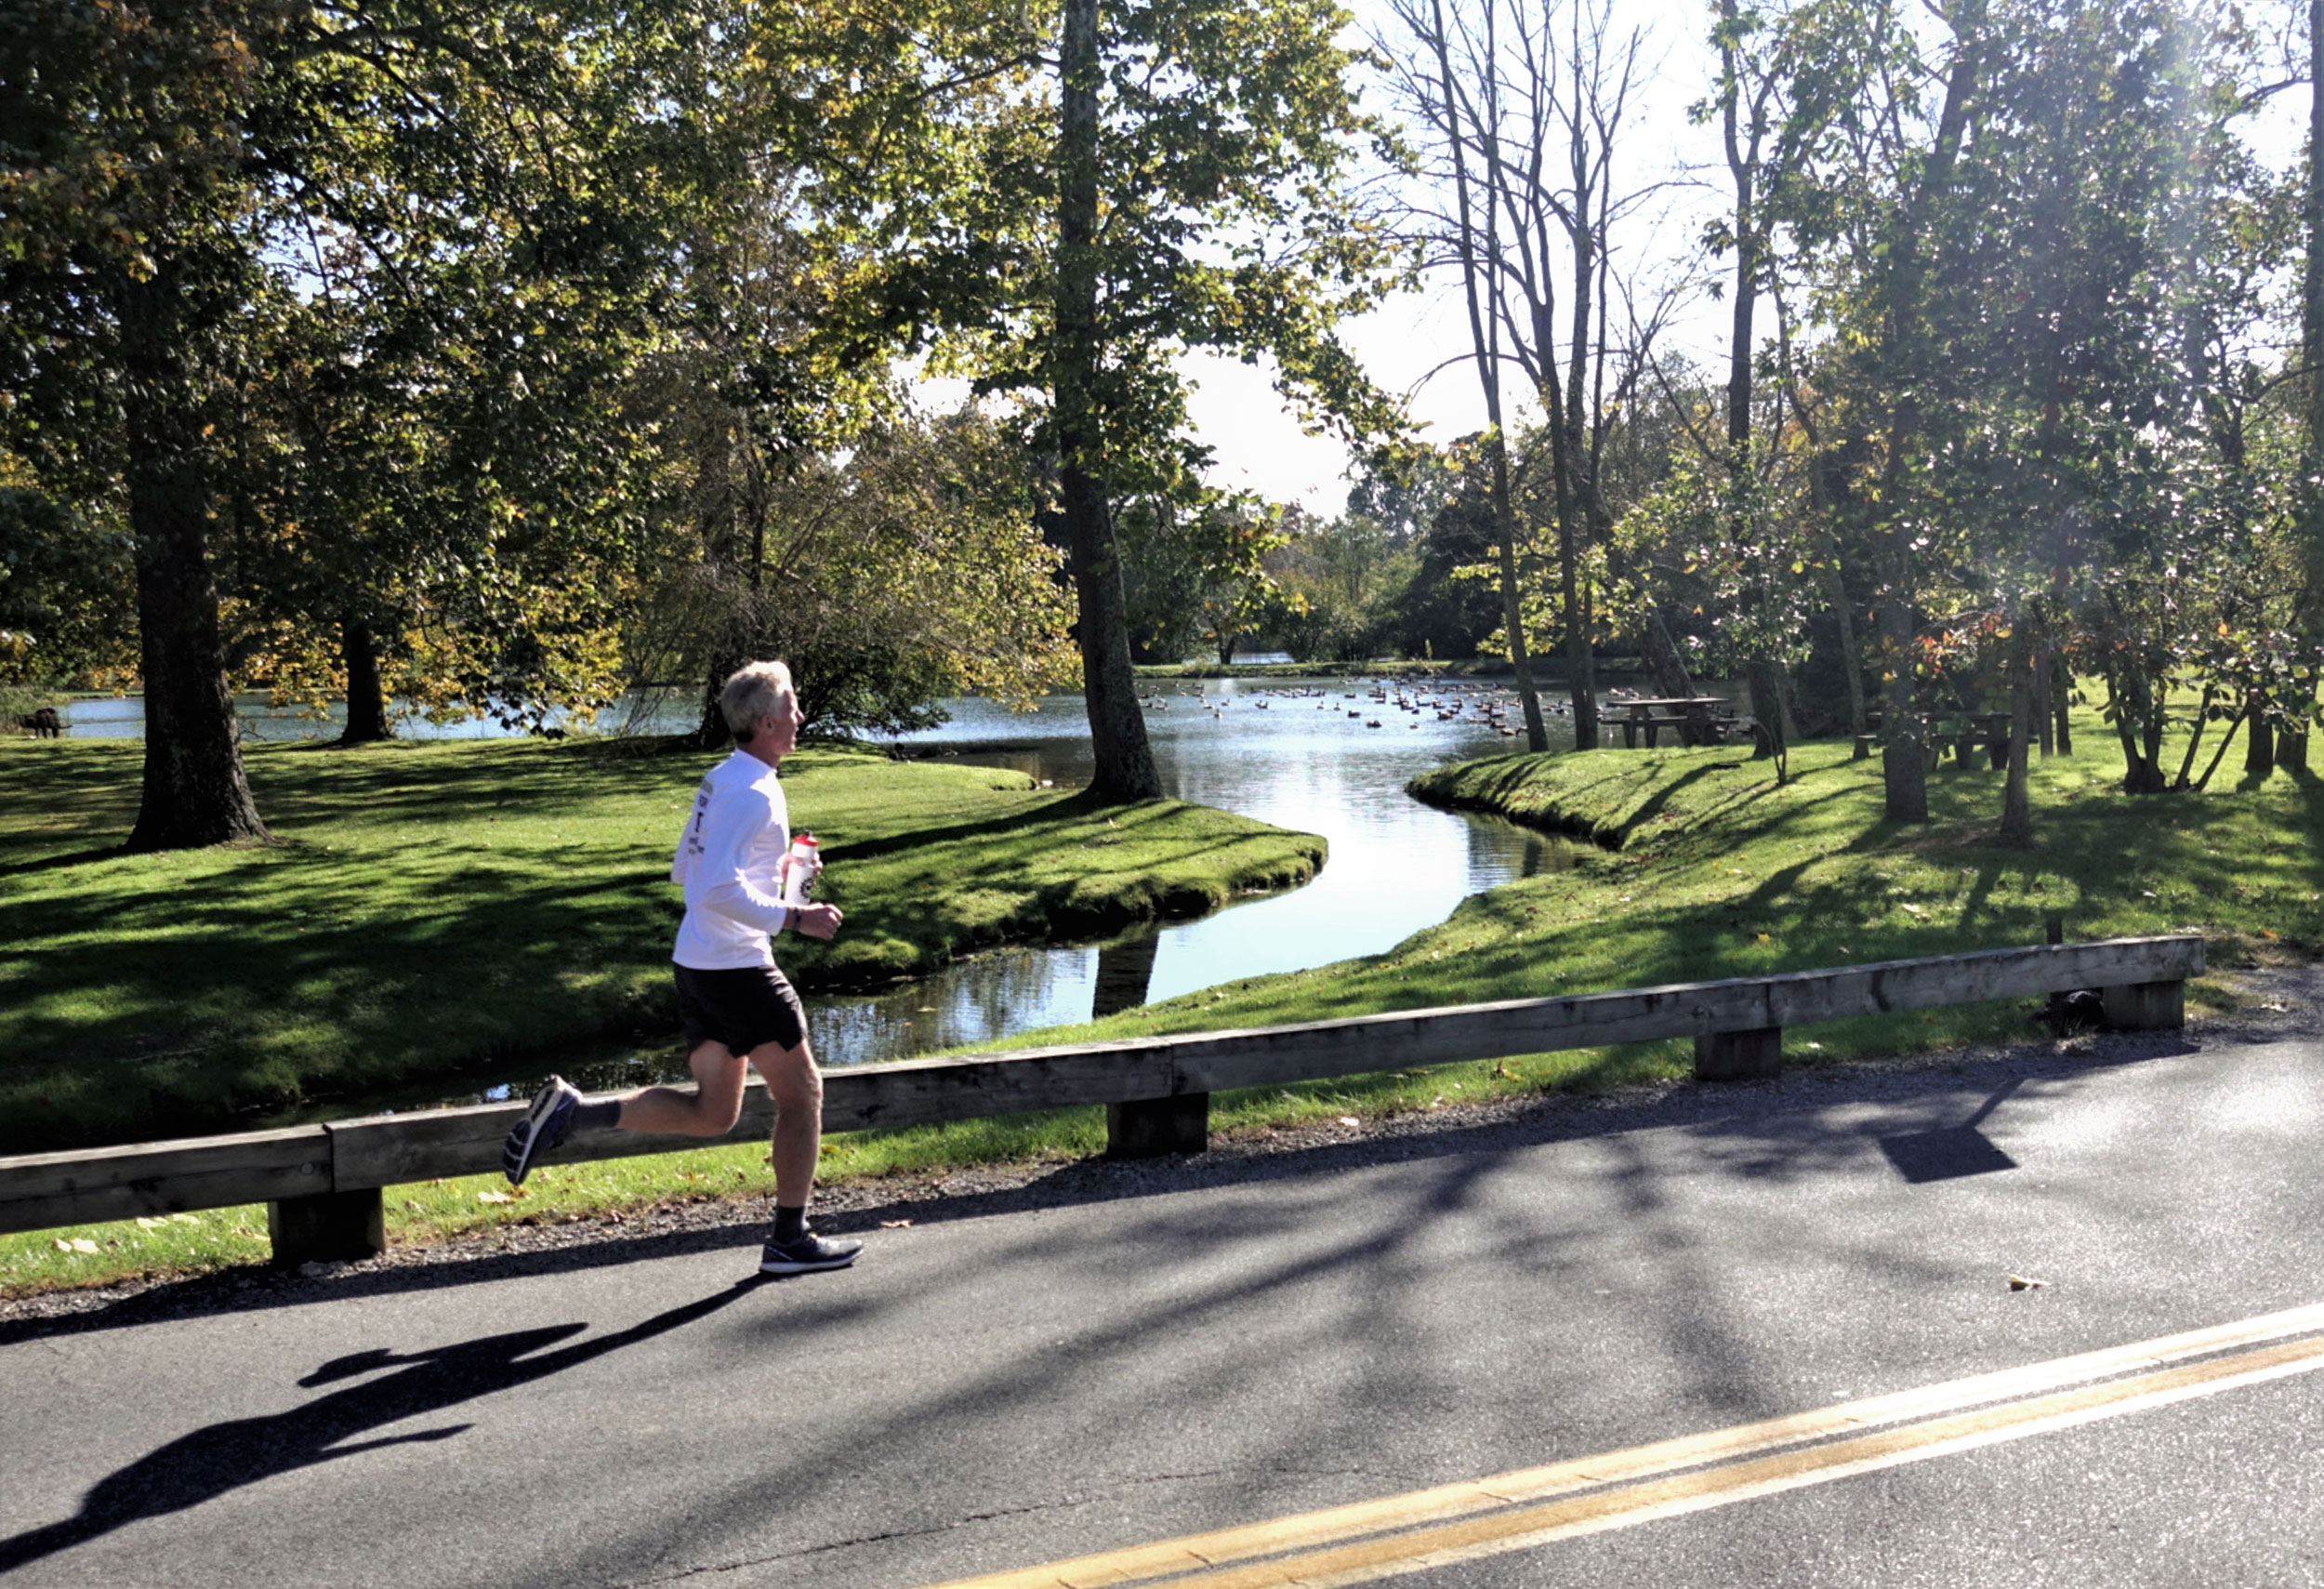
<point x="328" y="1226"/>
<point x="1738" y="1056"/>
<point x="2146" y="1006"/>
<point x="1150" y="1128"/>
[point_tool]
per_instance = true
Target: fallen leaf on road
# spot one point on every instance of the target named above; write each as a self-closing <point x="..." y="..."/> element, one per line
<point x="150" y="1223"/>
<point x="515" y="1193"/>
<point x="2020" y="1284"/>
<point x="895" y="1225"/>
<point x="78" y="1244"/>
<point x="1912" y="910"/>
<point x="1350" y="1121"/>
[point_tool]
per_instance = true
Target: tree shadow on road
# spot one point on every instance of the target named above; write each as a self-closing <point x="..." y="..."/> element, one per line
<point x="210" y="1463"/>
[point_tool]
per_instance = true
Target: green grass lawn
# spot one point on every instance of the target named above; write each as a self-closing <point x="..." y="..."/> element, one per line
<point x="1719" y="872"/>
<point x="431" y="907"/>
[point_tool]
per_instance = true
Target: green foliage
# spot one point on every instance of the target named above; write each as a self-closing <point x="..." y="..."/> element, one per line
<point x="62" y="590"/>
<point x="899" y="571"/>
<point x="1346" y="582"/>
<point x="1751" y="553"/>
<point x="1197" y="572"/>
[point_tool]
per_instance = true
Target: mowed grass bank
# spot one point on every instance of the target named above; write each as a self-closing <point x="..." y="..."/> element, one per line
<point x="1718" y="872"/>
<point x="431" y="906"/>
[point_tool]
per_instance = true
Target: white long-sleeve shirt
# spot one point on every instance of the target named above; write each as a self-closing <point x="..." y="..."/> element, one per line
<point x="727" y="862"/>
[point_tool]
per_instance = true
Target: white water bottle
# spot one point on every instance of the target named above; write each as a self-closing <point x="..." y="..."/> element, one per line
<point x="802" y="862"/>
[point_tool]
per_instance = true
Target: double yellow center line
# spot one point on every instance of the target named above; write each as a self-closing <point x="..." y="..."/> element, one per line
<point x="1373" y="1540"/>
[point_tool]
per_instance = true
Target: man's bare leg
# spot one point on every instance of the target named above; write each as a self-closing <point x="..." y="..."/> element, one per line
<point x="797" y="1088"/>
<point x="710" y="1110"/>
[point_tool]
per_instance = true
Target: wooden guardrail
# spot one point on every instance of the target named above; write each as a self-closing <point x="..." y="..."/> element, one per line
<point x="323" y="1183"/>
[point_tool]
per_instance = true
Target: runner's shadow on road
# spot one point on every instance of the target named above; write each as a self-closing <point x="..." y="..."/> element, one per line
<point x="210" y="1463"/>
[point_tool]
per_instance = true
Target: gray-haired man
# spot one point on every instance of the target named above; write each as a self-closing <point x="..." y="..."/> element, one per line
<point x="738" y="1008"/>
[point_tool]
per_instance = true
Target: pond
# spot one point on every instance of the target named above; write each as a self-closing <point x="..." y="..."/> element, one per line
<point x="1325" y="755"/>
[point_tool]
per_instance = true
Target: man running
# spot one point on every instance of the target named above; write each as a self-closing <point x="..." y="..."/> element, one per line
<point x="738" y="1009"/>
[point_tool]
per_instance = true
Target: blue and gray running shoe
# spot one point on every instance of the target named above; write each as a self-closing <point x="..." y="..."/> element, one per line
<point x="806" y="1254"/>
<point x="544" y="1126"/>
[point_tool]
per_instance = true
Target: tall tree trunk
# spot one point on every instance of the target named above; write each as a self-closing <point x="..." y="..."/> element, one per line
<point x="1663" y="661"/>
<point x="2017" y="799"/>
<point x="710" y="731"/>
<point x="1903" y="768"/>
<point x="2043" y="669"/>
<point x="366" y="701"/>
<point x="1851" y="660"/>
<point x="1477" y="280"/>
<point x="1512" y="608"/>
<point x="194" y="792"/>
<point x="1576" y="489"/>
<point x="1581" y="657"/>
<point x="1763" y="673"/>
<point x="2133" y="725"/>
<point x="1124" y="760"/>
<point x="1904" y="773"/>
<point x="2291" y="740"/>
<point x="2259" y="746"/>
<point x="2291" y="748"/>
<point x="2062" y="701"/>
<point x="1767" y="706"/>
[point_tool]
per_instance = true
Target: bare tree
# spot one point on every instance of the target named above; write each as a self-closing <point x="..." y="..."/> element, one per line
<point x="1523" y="104"/>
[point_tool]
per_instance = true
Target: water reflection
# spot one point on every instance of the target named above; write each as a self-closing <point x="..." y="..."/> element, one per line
<point x="1125" y="973"/>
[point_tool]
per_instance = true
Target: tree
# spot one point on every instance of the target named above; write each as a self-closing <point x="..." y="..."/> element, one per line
<point x="164" y="159"/>
<point x="1523" y="105"/>
<point x="1192" y="184"/>
<point x="900" y="566"/>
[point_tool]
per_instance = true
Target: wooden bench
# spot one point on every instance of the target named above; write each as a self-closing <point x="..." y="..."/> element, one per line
<point x="323" y="1183"/>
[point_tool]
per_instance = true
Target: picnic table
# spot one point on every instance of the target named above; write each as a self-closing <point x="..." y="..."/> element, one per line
<point x="1961" y="732"/>
<point x="1708" y="716"/>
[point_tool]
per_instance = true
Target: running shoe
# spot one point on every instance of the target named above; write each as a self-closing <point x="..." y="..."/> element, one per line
<point x="544" y="1126"/>
<point x="808" y="1254"/>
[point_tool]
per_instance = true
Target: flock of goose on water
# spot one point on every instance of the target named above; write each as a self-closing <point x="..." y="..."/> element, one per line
<point x="1489" y="705"/>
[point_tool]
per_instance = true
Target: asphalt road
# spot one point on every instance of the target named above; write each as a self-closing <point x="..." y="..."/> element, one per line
<point x="997" y="1392"/>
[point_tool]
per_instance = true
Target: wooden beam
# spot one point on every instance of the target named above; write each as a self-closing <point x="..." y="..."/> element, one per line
<point x="917" y="1091"/>
<point x="40" y="1191"/>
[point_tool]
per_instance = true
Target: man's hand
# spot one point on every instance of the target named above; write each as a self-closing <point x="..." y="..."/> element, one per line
<point x="818" y="921"/>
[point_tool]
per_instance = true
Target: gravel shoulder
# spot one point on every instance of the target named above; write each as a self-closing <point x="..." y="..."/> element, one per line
<point x="2276" y="1003"/>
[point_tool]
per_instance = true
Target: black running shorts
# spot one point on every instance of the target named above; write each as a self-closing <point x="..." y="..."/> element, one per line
<point x="740" y="1007"/>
